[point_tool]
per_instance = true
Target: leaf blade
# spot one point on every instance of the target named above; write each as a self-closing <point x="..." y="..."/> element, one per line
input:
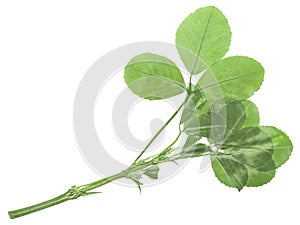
<point x="238" y="77"/>
<point x="230" y="172"/>
<point x="203" y="35"/>
<point x="153" y="77"/>
<point x="253" y="148"/>
<point x="252" y="114"/>
<point x="283" y="146"/>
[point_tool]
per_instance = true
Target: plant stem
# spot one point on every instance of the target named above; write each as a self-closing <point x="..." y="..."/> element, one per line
<point x="76" y="191"/>
<point x="190" y="83"/>
<point x="157" y="134"/>
<point x="165" y="151"/>
<point x="99" y="183"/>
<point x="73" y="193"/>
<point x="43" y="205"/>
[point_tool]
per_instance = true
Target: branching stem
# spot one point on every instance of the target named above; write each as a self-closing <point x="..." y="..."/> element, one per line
<point x="157" y="134"/>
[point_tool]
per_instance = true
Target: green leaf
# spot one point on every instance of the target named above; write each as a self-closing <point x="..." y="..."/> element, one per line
<point x="237" y="77"/>
<point x="230" y="172"/>
<point x="260" y="177"/>
<point x="153" y="77"/>
<point x="251" y="147"/>
<point x="238" y="114"/>
<point x="218" y="119"/>
<point x="282" y="145"/>
<point x="200" y="126"/>
<point x="189" y="117"/>
<point x="235" y="115"/>
<point x="196" y="115"/>
<point x="252" y="114"/>
<point x="203" y="38"/>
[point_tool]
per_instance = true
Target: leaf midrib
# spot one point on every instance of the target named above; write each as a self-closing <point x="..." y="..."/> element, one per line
<point x="232" y="175"/>
<point x="202" y="41"/>
<point x="231" y="79"/>
<point x="157" y="76"/>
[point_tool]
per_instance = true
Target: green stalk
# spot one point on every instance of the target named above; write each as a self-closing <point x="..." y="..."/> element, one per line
<point x="73" y="193"/>
<point x="76" y="191"/>
<point x="99" y="183"/>
<point x="43" y="205"/>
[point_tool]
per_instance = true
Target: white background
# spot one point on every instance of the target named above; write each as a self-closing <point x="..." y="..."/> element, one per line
<point x="45" y="49"/>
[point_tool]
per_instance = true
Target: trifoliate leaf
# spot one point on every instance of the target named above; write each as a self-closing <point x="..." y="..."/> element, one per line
<point x="203" y="38"/>
<point x="153" y="77"/>
<point x="251" y="147"/>
<point x="238" y="77"/>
